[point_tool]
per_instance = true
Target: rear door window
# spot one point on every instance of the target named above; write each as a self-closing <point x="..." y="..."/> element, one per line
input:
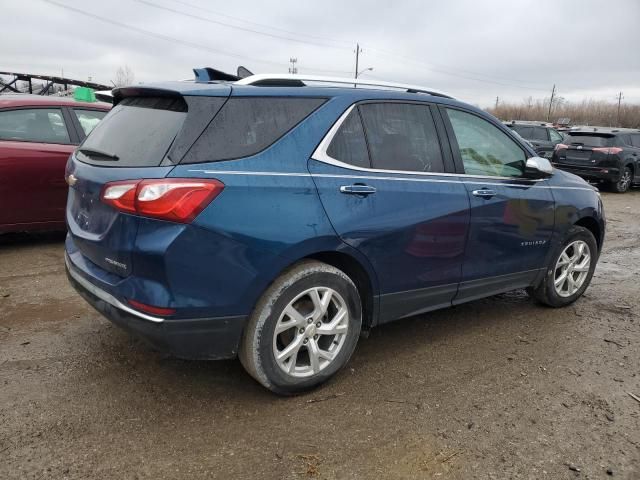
<point x="349" y="144"/>
<point x="41" y="125"/>
<point x="402" y="136"/>
<point x="485" y="149"/>
<point x="247" y="125"/>
<point x="88" y="119"/>
<point x="137" y="132"/>
<point x="635" y="140"/>
<point x="554" y="135"/>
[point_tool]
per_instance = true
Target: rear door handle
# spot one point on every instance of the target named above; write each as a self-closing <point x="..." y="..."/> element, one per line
<point x="358" y="189"/>
<point x="484" y="193"/>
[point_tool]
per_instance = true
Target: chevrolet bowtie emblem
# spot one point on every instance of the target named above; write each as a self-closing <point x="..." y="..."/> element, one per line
<point x="71" y="180"/>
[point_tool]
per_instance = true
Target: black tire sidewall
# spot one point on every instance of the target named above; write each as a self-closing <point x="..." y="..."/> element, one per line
<point x="280" y="381"/>
<point x="576" y="233"/>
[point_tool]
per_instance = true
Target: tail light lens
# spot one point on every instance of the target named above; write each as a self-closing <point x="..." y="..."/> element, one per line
<point x="607" y="150"/>
<point x="173" y="199"/>
<point x="560" y="146"/>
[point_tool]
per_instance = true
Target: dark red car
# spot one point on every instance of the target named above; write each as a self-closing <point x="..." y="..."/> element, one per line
<point x="37" y="134"/>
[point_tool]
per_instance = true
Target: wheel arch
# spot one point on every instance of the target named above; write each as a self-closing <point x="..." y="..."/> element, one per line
<point x="593" y="226"/>
<point x="357" y="272"/>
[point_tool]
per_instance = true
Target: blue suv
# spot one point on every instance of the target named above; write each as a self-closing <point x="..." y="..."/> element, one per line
<point x="276" y="218"/>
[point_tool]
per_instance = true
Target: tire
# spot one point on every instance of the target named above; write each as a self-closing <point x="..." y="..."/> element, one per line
<point x="293" y="292"/>
<point x="624" y="183"/>
<point x="547" y="292"/>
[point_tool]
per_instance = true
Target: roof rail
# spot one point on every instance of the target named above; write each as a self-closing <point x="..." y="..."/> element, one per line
<point x="289" y="79"/>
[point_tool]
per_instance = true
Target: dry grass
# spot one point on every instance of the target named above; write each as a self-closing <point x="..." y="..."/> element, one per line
<point x="587" y="112"/>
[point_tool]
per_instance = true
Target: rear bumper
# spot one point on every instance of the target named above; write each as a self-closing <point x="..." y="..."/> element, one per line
<point x="201" y="338"/>
<point x="609" y="174"/>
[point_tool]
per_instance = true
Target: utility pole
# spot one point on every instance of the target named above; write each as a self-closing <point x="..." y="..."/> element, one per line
<point x="497" y="100"/>
<point x="553" y="94"/>
<point x="293" y="69"/>
<point x="358" y="50"/>
<point x="619" y="102"/>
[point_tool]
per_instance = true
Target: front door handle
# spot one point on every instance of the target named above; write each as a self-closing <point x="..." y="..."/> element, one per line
<point x="358" y="189"/>
<point x="484" y="193"/>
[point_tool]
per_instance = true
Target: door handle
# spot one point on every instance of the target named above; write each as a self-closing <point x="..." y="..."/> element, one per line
<point x="358" y="189"/>
<point x="484" y="193"/>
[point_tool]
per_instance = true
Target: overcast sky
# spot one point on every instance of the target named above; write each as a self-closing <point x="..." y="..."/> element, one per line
<point x="475" y="50"/>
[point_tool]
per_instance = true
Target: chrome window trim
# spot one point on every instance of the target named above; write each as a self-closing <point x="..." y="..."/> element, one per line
<point x="104" y="296"/>
<point x="320" y="154"/>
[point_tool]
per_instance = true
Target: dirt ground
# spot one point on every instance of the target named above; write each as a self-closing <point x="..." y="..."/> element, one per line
<point x="499" y="388"/>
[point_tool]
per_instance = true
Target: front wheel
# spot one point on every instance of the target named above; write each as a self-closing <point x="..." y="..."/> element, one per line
<point x="570" y="270"/>
<point x="622" y="185"/>
<point x="303" y="330"/>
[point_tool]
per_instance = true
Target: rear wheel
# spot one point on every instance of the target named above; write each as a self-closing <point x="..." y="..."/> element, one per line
<point x="303" y="330"/>
<point x="624" y="183"/>
<point x="570" y="270"/>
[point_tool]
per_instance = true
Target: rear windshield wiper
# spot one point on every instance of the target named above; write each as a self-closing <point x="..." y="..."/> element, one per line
<point x="92" y="152"/>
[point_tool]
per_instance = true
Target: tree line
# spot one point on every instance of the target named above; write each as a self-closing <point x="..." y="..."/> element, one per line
<point x="587" y="112"/>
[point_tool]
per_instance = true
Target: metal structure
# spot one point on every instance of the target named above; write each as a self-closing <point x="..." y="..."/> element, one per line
<point x="289" y="79"/>
<point x="12" y="87"/>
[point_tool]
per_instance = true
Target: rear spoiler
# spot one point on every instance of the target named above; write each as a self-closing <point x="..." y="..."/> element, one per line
<point x="208" y="74"/>
<point x="123" y="92"/>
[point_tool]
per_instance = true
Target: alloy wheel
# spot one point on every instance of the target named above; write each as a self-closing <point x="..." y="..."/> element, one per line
<point x="310" y="332"/>
<point x="572" y="268"/>
<point x="625" y="181"/>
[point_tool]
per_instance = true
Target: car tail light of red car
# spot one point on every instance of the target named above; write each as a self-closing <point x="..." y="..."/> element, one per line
<point x="175" y="199"/>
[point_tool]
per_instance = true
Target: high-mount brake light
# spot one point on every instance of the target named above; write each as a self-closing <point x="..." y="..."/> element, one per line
<point x="173" y="199"/>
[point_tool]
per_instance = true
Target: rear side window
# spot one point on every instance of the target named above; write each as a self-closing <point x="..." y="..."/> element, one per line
<point x="246" y="126"/>
<point x="135" y="133"/>
<point x="590" y="140"/>
<point x="525" y="132"/>
<point x="349" y="144"/>
<point x="539" y="133"/>
<point x="402" y="136"/>
<point x="485" y="149"/>
<point x="88" y="119"/>
<point x="635" y="140"/>
<point x="42" y="125"/>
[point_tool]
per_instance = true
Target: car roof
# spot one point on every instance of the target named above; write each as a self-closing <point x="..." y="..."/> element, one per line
<point x="28" y="100"/>
<point x="528" y="123"/>
<point x="188" y="88"/>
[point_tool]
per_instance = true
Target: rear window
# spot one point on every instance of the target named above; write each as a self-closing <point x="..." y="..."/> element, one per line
<point x="135" y="133"/>
<point x="590" y="140"/>
<point x="246" y="126"/>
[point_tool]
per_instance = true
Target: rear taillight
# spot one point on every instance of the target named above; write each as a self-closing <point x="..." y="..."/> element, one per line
<point x="174" y="199"/>
<point x="561" y="146"/>
<point x="607" y="150"/>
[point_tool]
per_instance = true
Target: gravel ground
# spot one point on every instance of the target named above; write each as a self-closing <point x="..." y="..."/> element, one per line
<point x="499" y="388"/>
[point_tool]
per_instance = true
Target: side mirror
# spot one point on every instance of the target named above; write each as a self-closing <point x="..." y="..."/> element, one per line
<point x="538" y="167"/>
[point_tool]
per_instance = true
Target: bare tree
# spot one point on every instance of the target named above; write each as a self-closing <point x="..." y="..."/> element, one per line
<point x="124" y="76"/>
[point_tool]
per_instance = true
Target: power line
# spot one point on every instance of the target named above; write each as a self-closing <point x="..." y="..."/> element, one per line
<point x="172" y="39"/>
<point x="223" y="24"/>
<point x="434" y="68"/>
<point x="238" y="19"/>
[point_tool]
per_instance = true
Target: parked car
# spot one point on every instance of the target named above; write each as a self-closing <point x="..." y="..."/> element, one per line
<point x="37" y="135"/>
<point x="276" y="219"/>
<point x="542" y="136"/>
<point x="604" y="155"/>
